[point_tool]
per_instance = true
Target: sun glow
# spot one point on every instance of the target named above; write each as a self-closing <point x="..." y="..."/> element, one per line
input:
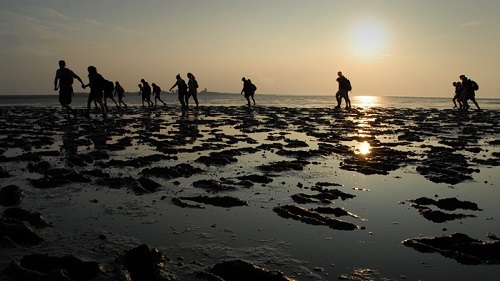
<point x="364" y="148"/>
<point x="368" y="38"/>
<point x="366" y="101"/>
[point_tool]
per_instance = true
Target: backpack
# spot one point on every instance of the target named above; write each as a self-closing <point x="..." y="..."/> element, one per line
<point x="474" y="85"/>
<point x="66" y="76"/>
<point x="348" y="84"/>
<point x="253" y="87"/>
<point x="195" y="84"/>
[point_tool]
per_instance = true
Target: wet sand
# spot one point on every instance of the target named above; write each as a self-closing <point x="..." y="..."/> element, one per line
<point x="277" y="193"/>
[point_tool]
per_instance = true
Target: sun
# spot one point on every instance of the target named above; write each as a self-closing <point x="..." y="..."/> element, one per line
<point x="368" y="38"/>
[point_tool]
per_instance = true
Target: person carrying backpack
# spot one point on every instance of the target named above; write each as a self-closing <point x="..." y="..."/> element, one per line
<point x="469" y="92"/>
<point x="343" y="92"/>
<point x="249" y="90"/>
<point x="64" y="83"/>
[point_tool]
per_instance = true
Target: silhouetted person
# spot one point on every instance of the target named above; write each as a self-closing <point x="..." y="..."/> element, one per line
<point x="458" y="91"/>
<point x="192" y="90"/>
<point x="120" y="92"/>
<point x="182" y="89"/>
<point x="343" y="92"/>
<point x="65" y="77"/>
<point x="109" y="88"/>
<point x="469" y="92"/>
<point x="156" y="93"/>
<point x="146" y="93"/>
<point x="96" y="84"/>
<point x="248" y="90"/>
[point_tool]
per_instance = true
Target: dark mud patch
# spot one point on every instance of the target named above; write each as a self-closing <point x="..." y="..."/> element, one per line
<point x="381" y="160"/>
<point x="35" y="219"/>
<point x="242" y="271"/>
<point x="449" y="204"/>
<point x="444" y="165"/>
<point x="459" y="247"/>
<point x="58" y="177"/>
<point x="180" y="170"/>
<point x="307" y="216"/>
<point x="18" y="232"/>
<point x="48" y="268"/>
<point x="219" y="201"/>
<point x="363" y="274"/>
<point x="143" y="263"/>
<point x="11" y="195"/>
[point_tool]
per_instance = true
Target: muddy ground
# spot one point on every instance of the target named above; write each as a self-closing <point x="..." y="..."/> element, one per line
<point x="265" y="193"/>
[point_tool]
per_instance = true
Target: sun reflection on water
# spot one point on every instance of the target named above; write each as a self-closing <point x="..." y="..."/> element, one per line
<point x="364" y="148"/>
<point x="366" y="101"/>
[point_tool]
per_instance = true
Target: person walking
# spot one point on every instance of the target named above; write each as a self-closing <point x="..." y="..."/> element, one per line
<point x="120" y="92"/>
<point x="458" y="91"/>
<point x="343" y="92"/>
<point x="156" y="93"/>
<point x="109" y="88"/>
<point x="192" y="90"/>
<point x="96" y="84"/>
<point x="469" y="92"/>
<point x="146" y="92"/>
<point x="182" y="90"/>
<point x="63" y="82"/>
<point x="248" y="90"/>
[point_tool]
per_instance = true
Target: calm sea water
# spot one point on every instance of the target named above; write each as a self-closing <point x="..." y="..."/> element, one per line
<point x="218" y="99"/>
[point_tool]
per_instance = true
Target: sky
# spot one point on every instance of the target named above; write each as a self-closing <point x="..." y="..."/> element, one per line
<point x="385" y="47"/>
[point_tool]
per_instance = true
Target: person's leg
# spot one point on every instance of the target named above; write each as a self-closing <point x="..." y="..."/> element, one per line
<point x="253" y="99"/>
<point x="347" y="100"/>
<point x="338" y="97"/>
<point x="473" y="99"/>
<point x="195" y="98"/>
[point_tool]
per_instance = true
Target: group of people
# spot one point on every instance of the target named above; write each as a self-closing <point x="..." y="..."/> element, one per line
<point x="101" y="90"/>
<point x="464" y="91"/>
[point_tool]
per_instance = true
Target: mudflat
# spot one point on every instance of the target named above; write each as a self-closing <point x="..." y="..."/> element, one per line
<point x="249" y="193"/>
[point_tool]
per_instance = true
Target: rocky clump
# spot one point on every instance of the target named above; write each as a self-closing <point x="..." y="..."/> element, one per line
<point x="58" y="177"/>
<point x="36" y="219"/>
<point x="11" y="195"/>
<point x="181" y="170"/>
<point x="459" y="247"/>
<point x="309" y="217"/>
<point x="219" y="201"/>
<point x="49" y="268"/>
<point x="242" y="271"/>
<point x="19" y="233"/>
<point x="297" y="165"/>
<point x="449" y="204"/>
<point x="143" y="263"/>
<point x="443" y="165"/>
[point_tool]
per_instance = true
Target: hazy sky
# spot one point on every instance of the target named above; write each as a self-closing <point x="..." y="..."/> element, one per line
<point x="386" y="47"/>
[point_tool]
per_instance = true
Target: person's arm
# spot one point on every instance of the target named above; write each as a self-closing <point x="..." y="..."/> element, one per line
<point x="79" y="79"/>
<point x="176" y="83"/>
<point x="56" y="79"/>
